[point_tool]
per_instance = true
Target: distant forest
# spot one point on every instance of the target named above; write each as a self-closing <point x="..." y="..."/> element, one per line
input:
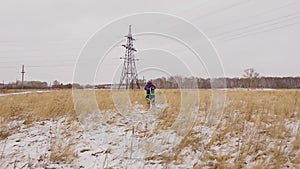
<point x="246" y="82"/>
<point x="174" y="82"/>
<point x="251" y="79"/>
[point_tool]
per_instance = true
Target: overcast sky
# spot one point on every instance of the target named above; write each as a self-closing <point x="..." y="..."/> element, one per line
<point x="47" y="37"/>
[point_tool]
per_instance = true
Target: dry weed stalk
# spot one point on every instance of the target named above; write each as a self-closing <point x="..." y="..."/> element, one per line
<point x="63" y="141"/>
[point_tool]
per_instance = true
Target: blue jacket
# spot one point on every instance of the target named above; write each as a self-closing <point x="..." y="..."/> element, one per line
<point x="150" y="88"/>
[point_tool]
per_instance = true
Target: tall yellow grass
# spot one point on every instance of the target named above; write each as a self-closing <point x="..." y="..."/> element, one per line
<point x="39" y="106"/>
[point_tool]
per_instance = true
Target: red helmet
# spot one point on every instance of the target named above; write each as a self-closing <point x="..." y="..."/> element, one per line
<point x="149" y="82"/>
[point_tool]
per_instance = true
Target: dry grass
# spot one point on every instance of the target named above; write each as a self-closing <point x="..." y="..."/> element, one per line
<point x="5" y="91"/>
<point x="251" y="116"/>
<point x="63" y="142"/>
<point x="259" y="119"/>
<point x="40" y="106"/>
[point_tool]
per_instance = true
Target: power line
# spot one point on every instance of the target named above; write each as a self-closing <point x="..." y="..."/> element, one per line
<point x="256" y="27"/>
<point x="37" y="66"/>
<point x="284" y="18"/>
<point x="258" y="14"/>
<point x="8" y="67"/>
<point x="43" y="41"/>
<point x="51" y="66"/>
<point x="261" y="29"/>
<point x="205" y="2"/>
<point x="210" y="13"/>
<point x="224" y="9"/>
<point x="254" y="31"/>
<point x="251" y="33"/>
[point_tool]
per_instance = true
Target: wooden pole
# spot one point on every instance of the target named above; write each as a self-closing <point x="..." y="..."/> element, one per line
<point x="23" y="72"/>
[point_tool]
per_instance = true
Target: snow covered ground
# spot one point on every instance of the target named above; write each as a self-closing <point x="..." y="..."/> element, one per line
<point x="129" y="140"/>
<point x="25" y="92"/>
<point x="100" y="140"/>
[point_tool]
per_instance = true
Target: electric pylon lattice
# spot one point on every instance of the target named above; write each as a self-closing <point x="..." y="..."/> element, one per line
<point x="129" y="76"/>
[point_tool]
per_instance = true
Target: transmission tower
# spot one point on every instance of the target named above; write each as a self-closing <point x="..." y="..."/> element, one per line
<point x="129" y="76"/>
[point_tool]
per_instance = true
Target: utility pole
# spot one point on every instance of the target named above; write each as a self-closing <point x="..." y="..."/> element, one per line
<point x="23" y="72"/>
<point x="129" y="76"/>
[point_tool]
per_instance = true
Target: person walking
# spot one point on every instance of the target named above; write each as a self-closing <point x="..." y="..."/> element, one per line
<point x="150" y="92"/>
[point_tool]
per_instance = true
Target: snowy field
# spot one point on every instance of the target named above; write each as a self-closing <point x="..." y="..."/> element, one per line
<point x="139" y="138"/>
<point x="25" y="92"/>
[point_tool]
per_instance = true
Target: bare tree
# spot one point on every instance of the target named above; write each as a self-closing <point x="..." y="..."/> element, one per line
<point x="55" y="83"/>
<point x="251" y="76"/>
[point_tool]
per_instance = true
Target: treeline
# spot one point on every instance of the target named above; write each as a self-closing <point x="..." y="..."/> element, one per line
<point x="174" y="82"/>
<point x="259" y="82"/>
<point x="54" y="85"/>
<point x="26" y="85"/>
<point x="38" y="85"/>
